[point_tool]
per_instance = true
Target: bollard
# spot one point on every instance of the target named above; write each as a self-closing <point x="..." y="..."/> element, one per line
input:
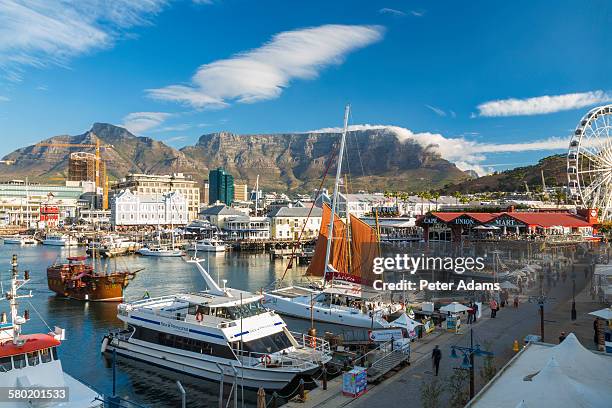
<point x="274" y="400"/>
<point x="301" y="390"/>
<point x="515" y="346"/>
<point x="324" y="376"/>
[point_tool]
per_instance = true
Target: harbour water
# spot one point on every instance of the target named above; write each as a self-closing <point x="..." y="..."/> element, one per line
<point x="87" y="322"/>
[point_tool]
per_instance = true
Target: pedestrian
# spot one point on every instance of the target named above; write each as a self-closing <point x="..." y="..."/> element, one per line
<point x="516" y="301"/>
<point x="561" y="337"/>
<point x="475" y="316"/>
<point x="470" y="314"/>
<point x="436" y="356"/>
<point x="596" y="332"/>
<point x="493" y="306"/>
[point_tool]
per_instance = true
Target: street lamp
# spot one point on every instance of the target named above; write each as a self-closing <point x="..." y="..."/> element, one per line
<point x="468" y="358"/>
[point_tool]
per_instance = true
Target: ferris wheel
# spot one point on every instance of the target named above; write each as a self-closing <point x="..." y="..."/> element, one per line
<point x="589" y="162"/>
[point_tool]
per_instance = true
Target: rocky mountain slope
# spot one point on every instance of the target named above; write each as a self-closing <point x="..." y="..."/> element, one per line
<point x="377" y="160"/>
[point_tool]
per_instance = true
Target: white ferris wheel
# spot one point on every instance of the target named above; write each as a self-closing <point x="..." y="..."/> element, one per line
<point x="589" y="162"/>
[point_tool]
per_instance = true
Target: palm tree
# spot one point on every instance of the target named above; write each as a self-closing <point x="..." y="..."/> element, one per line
<point x="457" y="195"/>
<point x="435" y="195"/>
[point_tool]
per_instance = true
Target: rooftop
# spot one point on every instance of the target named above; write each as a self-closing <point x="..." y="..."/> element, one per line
<point x="296" y="212"/>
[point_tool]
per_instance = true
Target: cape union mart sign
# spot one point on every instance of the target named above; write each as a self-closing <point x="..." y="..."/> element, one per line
<point x="458" y="221"/>
<point x="508" y="222"/>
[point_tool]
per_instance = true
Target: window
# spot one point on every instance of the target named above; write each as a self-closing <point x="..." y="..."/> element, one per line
<point x="45" y="355"/>
<point x="54" y="352"/>
<point x="33" y="359"/>
<point x="19" y="361"/>
<point x="5" y="364"/>
<point x="269" y="344"/>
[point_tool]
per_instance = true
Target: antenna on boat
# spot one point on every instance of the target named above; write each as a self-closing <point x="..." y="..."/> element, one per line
<point x="12" y="296"/>
<point x="210" y="282"/>
<point x="330" y="233"/>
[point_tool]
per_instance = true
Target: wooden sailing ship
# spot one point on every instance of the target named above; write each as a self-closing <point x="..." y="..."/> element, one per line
<point x="77" y="279"/>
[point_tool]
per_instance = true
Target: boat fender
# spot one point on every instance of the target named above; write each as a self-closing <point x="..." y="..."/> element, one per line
<point x="104" y="345"/>
<point x="266" y="360"/>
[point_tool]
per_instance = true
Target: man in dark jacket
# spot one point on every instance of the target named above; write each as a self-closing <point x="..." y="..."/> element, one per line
<point x="436" y="356"/>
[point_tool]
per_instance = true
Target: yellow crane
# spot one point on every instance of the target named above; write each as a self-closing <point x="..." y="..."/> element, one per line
<point x="97" y="146"/>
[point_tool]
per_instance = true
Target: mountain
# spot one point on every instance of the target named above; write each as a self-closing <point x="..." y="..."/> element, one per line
<point x="555" y="174"/>
<point x="377" y="160"/>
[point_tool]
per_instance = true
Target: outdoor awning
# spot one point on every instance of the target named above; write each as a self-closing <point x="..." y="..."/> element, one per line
<point x="508" y="285"/>
<point x="454" y="307"/>
<point x="605" y="314"/>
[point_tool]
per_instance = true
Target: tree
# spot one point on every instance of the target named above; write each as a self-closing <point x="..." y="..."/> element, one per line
<point x="458" y="196"/>
<point x="431" y="393"/>
<point x="457" y="387"/>
<point x="489" y="369"/>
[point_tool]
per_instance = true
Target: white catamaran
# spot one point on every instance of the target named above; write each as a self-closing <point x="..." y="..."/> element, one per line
<point x="344" y="297"/>
<point x="219" y="330"/>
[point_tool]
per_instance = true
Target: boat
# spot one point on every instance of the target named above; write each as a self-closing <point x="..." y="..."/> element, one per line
<point x="31" y="361"/>
<point x="345" y="295"/>
<point x="208" y="245"/>
<point x="217" y="332"/>
<point x="20" y="240"/>
<point x="111" y="246"/>
<point x="160" y="251"/>
<point x="77" y="279"/>
<point x="60" y="240"/>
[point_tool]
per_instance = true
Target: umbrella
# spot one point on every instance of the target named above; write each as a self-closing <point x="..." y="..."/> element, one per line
<point x="486" y="227"/>
<point x="261" y="398"/>
<point x="454" y="307"/>
<point x="605" y="314"/>
<point x="508" y="285"/>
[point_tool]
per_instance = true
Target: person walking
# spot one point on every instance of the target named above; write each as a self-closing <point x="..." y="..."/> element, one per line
<point x="516" y="301"/>
<point x="493" y="306"/>
<point x="470" y="313"/>
<point x="436" y="356"/>
<point x="475" y="315"/>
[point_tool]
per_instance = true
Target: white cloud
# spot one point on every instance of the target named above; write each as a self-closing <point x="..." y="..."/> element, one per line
<point x="138" y="122"/>
<point x="417" y="13"/>
<point x="4" y="98"/>
<point x="436" y="110"/>
<point x="391" y="11"/>
<point x="264" y="72"/>
<point x="466" y="154"/>
<point x="37" y="32"/>
<point x="543" y="104"/>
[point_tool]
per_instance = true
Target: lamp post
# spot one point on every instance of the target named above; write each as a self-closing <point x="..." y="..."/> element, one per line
<point x="540" y="300"/>
<point x="468" y="358"/>
<point x="573" y="312"/>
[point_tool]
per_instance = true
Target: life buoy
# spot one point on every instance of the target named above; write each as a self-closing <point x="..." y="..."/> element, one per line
<point x="313" y="342"/>
<point x="199" y="316"/>
<point x="266" y="360"/>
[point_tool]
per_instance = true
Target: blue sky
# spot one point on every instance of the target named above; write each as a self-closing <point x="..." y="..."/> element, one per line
<point x="495" y="84"/>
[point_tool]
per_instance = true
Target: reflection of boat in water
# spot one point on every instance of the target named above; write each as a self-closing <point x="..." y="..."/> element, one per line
<point x="31" y="362"/>
<point x="343" y="258"/>
<point x="79" y="280"/>
<point x="226" y="329"/>
<point x="20" y="240"/>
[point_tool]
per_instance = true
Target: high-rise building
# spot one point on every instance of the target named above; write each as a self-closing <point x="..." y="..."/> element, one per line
<point x="220" y="187"/>
<point x="155" y="185"/>
<point x="241" y="192"/>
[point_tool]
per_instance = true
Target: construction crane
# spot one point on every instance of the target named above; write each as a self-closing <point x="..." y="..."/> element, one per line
<point x="97" y="180"/>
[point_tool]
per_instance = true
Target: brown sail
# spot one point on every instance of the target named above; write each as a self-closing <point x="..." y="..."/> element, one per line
<point x="339" y="249"/>
<point x="364" y="248"/>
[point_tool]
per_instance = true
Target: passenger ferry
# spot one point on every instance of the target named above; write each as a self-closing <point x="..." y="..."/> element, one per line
<point x="60" y="240"/>
<point x="29" y="362"/>
<point x="219" y="331"/>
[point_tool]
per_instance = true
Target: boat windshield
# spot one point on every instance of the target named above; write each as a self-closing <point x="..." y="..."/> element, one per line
<point x="270" y="344"/>
<point x="245" y="310"/>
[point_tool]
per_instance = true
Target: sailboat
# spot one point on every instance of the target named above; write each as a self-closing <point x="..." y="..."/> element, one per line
<point x="345" y="266"/>
<point x="160" y="250"/>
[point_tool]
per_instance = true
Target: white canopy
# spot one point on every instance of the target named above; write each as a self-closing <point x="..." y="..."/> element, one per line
<point x="454" y="307"/>
<point x="486" y="227"/>
<point x="407" y="323"/>
<point x="603" y="313"/>
<point x="508" y="285"/>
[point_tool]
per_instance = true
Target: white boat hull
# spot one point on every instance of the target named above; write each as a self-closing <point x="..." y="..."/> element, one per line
<point x="250" y="377"/>
<point x="53" y="242"/>
<point x="210" y="248"/>
<point x="19" y="241"/>
<point x="323" y="313"/>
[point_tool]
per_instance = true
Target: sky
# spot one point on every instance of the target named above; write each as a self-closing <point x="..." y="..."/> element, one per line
<point x="494" y="84"/>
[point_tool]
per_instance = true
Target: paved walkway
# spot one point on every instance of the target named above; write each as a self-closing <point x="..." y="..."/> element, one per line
<point x="509" y="325"/>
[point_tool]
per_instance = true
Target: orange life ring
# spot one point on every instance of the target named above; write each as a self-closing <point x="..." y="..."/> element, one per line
<point x="313" y="342"/>
<point x="266" y="360"/>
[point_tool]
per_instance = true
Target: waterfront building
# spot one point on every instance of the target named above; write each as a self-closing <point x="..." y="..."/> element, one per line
<point x="217" y="214"/>
<point x="129" y="209"/>
<point x="510" y="224"/>
<point x="221" y="187"/>
<point x="246" y="228"/>
<point x="241" y="192"/>
<point x="94" y="217"/>
<point x="151" y="185"/>
<point x="21" y="202"/>
<point x="287" y="223"/>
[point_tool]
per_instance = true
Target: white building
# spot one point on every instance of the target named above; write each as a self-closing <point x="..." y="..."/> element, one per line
<point x="218" y="214"/>
<point x="129" y="209"/>
<point x="287" y="223"/>
<point x="248" y="228"/>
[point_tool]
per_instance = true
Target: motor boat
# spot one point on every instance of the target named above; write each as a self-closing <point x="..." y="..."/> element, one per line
<point x="208" y="245"/>
<point x="159" y="251"/>
<point x="20" y="240"/>
<point x="60" y="240"/>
